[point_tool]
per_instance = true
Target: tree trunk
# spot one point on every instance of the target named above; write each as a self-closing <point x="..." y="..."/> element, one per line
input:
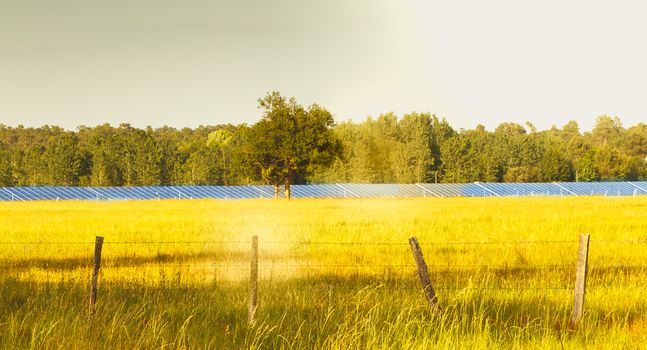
<point x="276" y="191"/>
<point x="287" y="189"/>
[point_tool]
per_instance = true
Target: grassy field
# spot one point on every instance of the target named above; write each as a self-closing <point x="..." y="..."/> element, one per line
<point x="334" y="274"/>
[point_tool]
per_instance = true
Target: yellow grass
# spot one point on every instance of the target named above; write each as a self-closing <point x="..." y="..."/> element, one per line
<point x="181" y="266"/>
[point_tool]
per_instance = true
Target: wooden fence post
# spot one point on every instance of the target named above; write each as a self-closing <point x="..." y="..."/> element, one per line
<point x="423" y="275"/>
<point x="98" y="245"/>
<point x="253" y="283"/>
<point x="580" y="281"/>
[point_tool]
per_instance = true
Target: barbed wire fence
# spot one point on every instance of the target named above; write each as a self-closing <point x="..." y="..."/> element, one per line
<point x="78" y="263"/>
<point x="437" y="273"/>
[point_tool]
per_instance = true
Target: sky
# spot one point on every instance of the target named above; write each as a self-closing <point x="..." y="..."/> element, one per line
<point x="189" y="63"/>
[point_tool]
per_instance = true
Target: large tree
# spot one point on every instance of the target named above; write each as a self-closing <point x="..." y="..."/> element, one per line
<point x="290" y="141"/>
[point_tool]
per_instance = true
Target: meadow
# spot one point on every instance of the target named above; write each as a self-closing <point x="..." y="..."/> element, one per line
<point x="333" y="274"/>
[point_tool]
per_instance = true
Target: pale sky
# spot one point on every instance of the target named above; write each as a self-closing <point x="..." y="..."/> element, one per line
<point x="186" y="63"/>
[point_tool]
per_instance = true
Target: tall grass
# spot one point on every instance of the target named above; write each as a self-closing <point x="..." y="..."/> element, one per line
<point x="324" y="283"/>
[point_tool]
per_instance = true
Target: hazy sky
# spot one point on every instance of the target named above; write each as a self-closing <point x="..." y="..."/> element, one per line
<point x="186" y="63"/>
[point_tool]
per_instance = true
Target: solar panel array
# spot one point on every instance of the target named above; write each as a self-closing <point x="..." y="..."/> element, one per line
<point x="476" y="189"/>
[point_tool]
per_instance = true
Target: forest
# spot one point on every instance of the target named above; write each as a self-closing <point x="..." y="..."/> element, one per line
<point x="413" y="148"/>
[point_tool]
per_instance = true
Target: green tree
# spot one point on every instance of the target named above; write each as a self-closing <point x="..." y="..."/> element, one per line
<point x="220" y="143"/>
<point x="587" y="169"/>
<point x="147" y="158"/>
<point x="62" y="159"/>
<point x="607" y="130"/>
<point x="459" y="160"/>
<point x="614" y="165"/>
<point x="570" y="130"/>
<point x="6" y="177"/>
<point x="200" y="166"/>
<point x="35" y="166"/>
<point x="289" y="141"/>
<point x="554" y="167"/>
<point x="382" y="137"/>
<point x="167" y="141"/>
<point x="415" y="157"/>
<point x="517" y="153"/>
<point x="242" y="169"/>
<point x="526" y="173"/>
<point x="442" y="131"/>
<point x="106" y="147"/>
<point x="635" y="142"/>
<point x="355" y="164"/>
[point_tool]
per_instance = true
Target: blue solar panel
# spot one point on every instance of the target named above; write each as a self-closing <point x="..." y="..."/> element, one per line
<point x="328" y="191"/>
<point x="5" y="195"/>
<point x="317" y="191"/>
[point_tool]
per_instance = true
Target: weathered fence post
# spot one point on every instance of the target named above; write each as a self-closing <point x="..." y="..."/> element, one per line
<point x="98" y="245"/>
<point x="253" y="283"/>
<point x="423" y="274"/>
<point x="580" y="281"/>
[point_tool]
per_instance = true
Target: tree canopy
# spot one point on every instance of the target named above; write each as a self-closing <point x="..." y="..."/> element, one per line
<point x="292" y="144"/>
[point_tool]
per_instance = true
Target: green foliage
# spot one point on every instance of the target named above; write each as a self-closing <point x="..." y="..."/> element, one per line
<point x="587" y="170"/>
<point x="289" y="142"/>
<point x="6" y="178"/>
<point x="554" y="167"/>
<point x="522" y="174"/>
<point x="459" y="158"/>
<point x="612" y="164"/>
<point x="415" y="157"/>
<point x="293" y="144"/>
<point x="635" y="141"/>
<point x="607" y="130"/>
<point x="62" y="159"/>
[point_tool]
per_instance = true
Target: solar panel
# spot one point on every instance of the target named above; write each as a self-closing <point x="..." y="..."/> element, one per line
<point x="477" y="189"/>
<point x="317" y="191"/>
<point x="5" y="195"/>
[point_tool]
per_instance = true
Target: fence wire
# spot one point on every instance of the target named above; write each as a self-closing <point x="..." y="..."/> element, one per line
<point x="70" y="267"/>
<point x="435" y="268"/>
<point x="366" y="243"/>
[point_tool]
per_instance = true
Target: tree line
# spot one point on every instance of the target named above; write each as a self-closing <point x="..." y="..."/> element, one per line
<point x="295" y="144"/>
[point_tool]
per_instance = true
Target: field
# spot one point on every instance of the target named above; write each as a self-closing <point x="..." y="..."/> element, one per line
<point x="334" y="274"/>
